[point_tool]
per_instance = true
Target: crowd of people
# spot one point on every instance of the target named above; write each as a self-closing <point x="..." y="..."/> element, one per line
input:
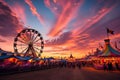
<point x="16" y="66"/>
<point x="10" y="66"/>
<point x="109" y="65"/>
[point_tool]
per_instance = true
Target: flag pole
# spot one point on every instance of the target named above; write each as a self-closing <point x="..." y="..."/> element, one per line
<point x="107" y="33"/>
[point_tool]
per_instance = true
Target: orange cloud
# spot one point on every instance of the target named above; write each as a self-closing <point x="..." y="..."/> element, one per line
<point x="34" y="11"/>
<point x="69" y="9"/>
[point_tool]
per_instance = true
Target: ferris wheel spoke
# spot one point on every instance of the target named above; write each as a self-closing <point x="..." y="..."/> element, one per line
<point x="37" y="44"/>
<point x="28" y="51"/>
<point x="21" y="41"/>
<point x="21" y="44"/>
<point x="23" y="38"/>
<point x="37" y="48"/>
<point x="27" y="37"/>
<point x="37" y="51"/>
<point x="30" y="35"/>
<point x="20" y="49"/>
<point x="34" y="51"/>
<point x="24" y="50"/>
<point x="37" y="40"/>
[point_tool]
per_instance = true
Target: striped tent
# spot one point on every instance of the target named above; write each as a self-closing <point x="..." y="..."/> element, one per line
<point x="109" y="51"/>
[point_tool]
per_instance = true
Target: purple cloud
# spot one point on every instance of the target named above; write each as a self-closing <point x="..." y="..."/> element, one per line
<point x="9" y="23"/>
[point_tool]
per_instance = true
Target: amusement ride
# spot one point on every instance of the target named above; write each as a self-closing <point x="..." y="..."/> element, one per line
<point x="28" y="42"/>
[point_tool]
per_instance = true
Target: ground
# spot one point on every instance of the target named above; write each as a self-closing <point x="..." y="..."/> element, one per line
<point x="65" y="74"/>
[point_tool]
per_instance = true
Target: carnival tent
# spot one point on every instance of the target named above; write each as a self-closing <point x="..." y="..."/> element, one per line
<point x="23" y="58"/>
<point x="5" y="57"/>
<point x="109" y="51"/>
<point x="5" y="54"/>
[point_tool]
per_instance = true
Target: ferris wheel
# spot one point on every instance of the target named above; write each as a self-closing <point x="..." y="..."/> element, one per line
<point x="28" y="42"/>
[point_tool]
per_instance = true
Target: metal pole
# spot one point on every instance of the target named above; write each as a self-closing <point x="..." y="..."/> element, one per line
<point x="107" y="33"/>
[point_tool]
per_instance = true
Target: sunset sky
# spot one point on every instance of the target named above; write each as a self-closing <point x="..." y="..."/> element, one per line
<point x="67" y="26"/>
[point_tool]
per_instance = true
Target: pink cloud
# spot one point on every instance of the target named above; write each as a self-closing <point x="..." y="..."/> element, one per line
<point x="93" y="20"/>
<point x="34" y="11"/>
<point x="67" y="12"/>
<point x="9" y="23"/>
<point x="19" y="10"/>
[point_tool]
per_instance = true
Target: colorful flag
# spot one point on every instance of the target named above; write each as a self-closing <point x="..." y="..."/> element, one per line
<point x="110" y="31"/>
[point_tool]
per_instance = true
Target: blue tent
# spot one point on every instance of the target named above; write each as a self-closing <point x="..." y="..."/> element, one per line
<point x="37" y="59"/>
<point x="22" y="58"/>
<point x="5" y="57"/>
<point x="5" y="54"/>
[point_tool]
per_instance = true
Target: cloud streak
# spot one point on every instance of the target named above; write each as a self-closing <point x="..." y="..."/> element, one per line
<point x="67" y="11"/>
<point x="93" y="20"/>
<point x="84" y="37"/>
<point x="34" y="11"/>
<point x="9" y="23"/>
<point x="19" y="11"/>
